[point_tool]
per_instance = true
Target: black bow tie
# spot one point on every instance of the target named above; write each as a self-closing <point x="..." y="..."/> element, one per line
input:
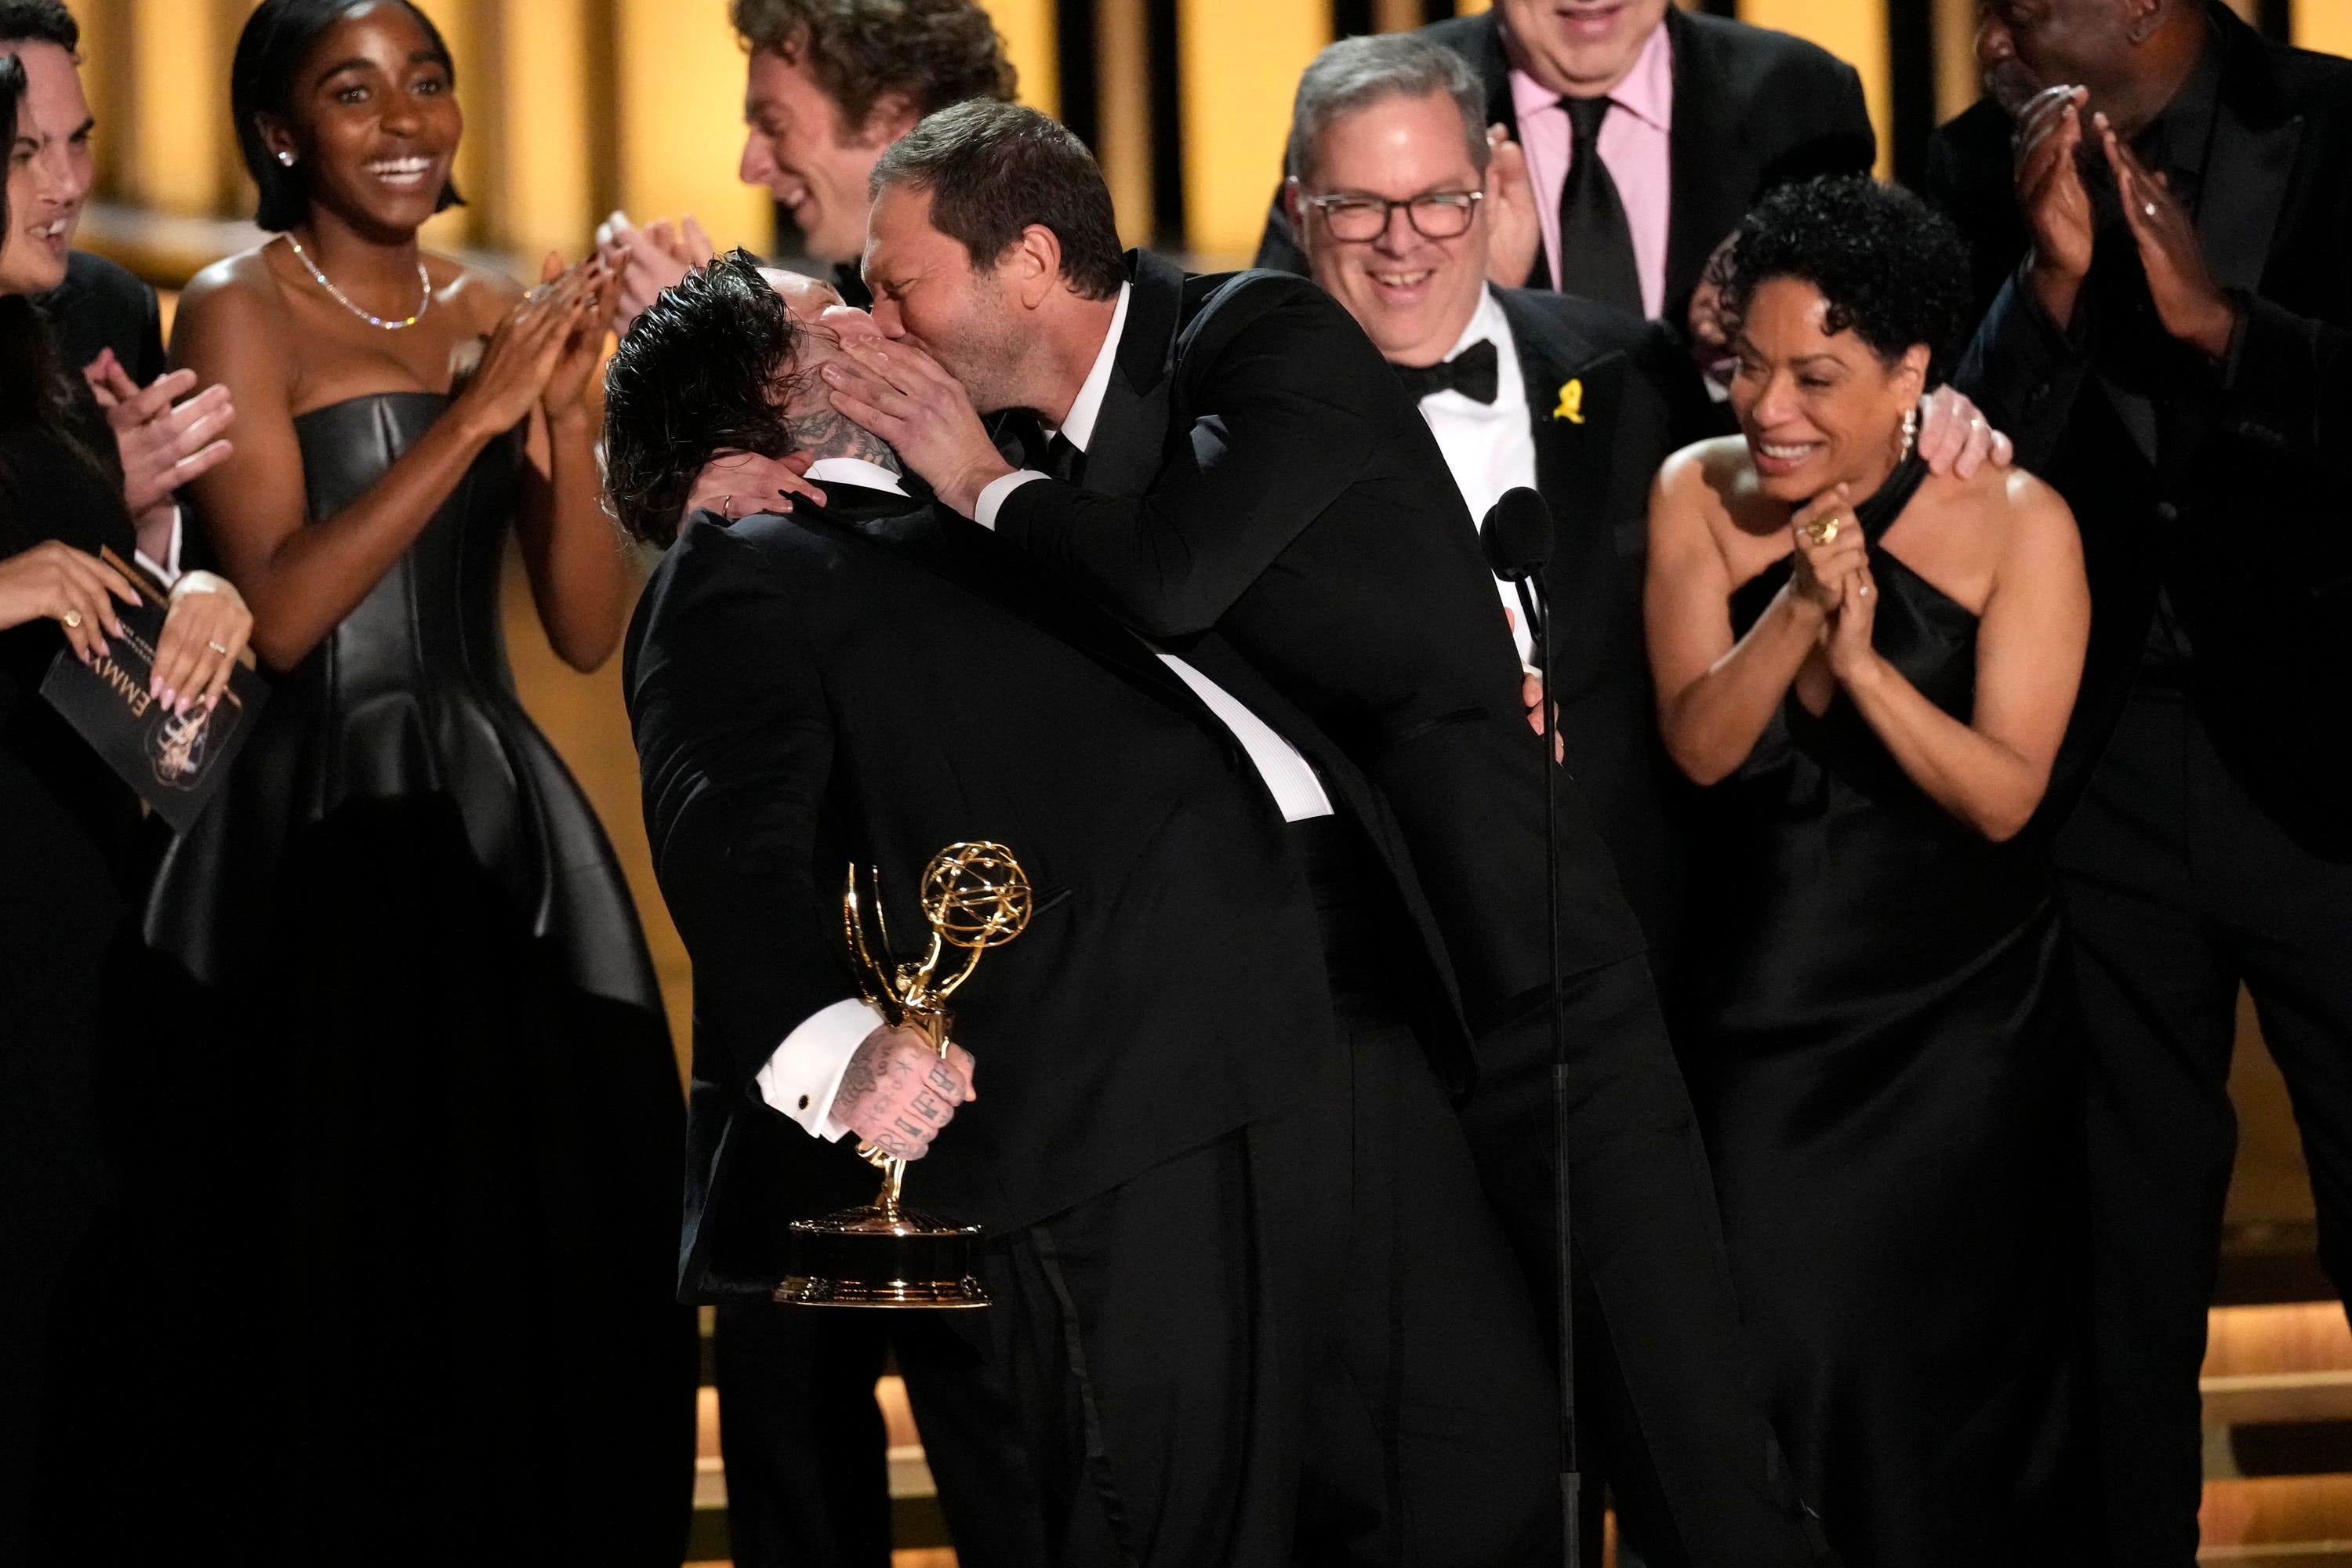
<point x="1471" y="372"/>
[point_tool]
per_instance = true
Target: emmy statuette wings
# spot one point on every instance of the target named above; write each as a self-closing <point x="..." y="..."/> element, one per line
<point x="974" y="896"/>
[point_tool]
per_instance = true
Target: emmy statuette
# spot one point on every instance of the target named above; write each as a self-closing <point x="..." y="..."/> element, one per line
<point x="974" y="896"/>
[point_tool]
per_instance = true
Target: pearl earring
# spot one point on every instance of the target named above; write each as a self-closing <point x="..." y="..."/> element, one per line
<point x="286" y="159"/>
<point x="1910" y="433"/>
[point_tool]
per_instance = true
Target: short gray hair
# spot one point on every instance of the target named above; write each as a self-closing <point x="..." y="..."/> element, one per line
<point x="1356" y="73"/>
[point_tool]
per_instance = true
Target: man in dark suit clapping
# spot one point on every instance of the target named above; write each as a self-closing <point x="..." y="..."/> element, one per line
<point x="1639" y="136"/>
<point x="2161" y="204"/>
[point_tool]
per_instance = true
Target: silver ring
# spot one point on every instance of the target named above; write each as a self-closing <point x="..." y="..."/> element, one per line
<point x="2147" y="209"/>
<point x="216" y="647"/>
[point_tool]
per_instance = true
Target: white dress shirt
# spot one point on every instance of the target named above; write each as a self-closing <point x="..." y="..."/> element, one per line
<point x="803" y="1075"/>
<point x="1489" y="446"/>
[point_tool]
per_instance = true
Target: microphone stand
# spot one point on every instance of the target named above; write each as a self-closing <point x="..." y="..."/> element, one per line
<point x="1535" y="602"/>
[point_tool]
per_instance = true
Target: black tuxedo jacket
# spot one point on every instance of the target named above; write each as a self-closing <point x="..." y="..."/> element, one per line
<point x="873" y="681"/>
<point x="2245" y="524"/>
<point x="1753" y="109"/>
<point x="1609" y="398"/>
<point x="101" y="306"/>
<point x="1256" y="470"/>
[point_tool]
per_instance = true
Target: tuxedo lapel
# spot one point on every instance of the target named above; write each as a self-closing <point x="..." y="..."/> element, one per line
<point x="2251" y="165"/>
<point x="1124" y="452"/>
<point x="1572" y="403"/>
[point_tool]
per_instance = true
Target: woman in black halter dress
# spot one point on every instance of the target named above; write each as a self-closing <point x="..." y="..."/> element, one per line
<point x="410" y="1124"/>
<point x="1871" y="669"/>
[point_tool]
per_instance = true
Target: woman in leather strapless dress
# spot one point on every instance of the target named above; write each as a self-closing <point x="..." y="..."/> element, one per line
<point x="411" y="1124"/>
<point x="1878" y="1041"/>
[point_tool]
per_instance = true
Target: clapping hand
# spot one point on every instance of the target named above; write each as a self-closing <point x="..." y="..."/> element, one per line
<point x="897" y="1093"/>
<point x="166" y="438"/>
<point x="2189" y="303"/>
<point x="2051" y="195"/>
<point x="1830" y="550"/>
<point x="1514" y="231"/>
<point x="1851" y="657"/>
<point x="650" y="259"/>
<point x="583" y="345"/>
<point x="521" y="360"/>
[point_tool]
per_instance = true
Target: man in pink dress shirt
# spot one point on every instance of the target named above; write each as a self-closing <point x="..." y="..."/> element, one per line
<point x="1702" y="116"/>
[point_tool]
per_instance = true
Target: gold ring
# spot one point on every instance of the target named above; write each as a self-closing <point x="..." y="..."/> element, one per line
<point x="72" y="619"/>
<point x="216" y="647"/>
<point x="1823" y="530"/>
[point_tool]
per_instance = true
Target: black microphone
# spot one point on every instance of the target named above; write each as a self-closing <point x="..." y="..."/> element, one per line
<point x="1516" y="535"/>
<point x="1516" y="540"/>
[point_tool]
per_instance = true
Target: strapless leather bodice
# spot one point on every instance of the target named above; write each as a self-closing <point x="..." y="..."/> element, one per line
<point x="409" y="695"/>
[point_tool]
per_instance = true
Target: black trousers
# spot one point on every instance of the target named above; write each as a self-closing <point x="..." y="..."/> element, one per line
<point x="2176" y="889"/>
<point x="1668" y="1412"/>
<point x="1304" y="1343"/>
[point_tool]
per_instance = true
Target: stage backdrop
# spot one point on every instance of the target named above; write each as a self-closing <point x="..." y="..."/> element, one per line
<point x="575" y="107"/>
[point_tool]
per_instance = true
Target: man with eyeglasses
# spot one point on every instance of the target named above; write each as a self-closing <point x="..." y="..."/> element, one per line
<point x="1391" y="191"/>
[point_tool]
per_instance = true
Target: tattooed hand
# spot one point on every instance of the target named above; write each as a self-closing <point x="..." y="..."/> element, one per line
<point x="896" y="1094"/>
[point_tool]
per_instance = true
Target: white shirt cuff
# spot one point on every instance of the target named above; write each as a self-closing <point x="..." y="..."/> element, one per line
<point x="166" y="571"/>
<point x="985" y="510"/>
<point x="802" y="1078"/>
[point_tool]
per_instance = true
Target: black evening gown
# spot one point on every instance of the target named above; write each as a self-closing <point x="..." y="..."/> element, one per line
<point x="68" y="828"/>
<point x="405" y="1128"/>
<point x="1879" y="1045"/>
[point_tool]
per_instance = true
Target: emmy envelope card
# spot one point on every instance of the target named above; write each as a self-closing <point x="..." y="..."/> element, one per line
<point x="176" y="764"/>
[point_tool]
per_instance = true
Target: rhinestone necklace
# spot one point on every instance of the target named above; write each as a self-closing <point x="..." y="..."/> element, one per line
<point x="424" y="285"/>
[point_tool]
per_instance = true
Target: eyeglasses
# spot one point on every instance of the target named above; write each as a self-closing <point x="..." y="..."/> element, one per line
<point x="1435" y="215"/>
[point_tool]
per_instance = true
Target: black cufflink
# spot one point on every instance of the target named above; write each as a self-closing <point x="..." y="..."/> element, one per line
<point x="804" y="1102"/>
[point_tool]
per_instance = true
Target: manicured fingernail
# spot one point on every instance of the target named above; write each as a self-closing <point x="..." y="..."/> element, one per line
<point x="169" y="697"/>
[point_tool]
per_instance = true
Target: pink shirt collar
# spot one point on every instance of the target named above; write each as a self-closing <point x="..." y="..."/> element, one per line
<point x="1647" y="92"/>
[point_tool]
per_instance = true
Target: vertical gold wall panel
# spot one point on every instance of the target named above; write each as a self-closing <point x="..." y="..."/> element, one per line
<point x="106" y="82"/>
<point x="1123" y="114"/>
<point x="545" y="184"/>
<point x="478" y="96"/>
<point x="1239" y="62"/>
<point x="1855" y="31"/>
<point x="179" y="81"/>
<point x="2324" y="25"/>
<point x="1027" y="28"/>
<point x="680" y="101"/>
<point x="1957" y="82"/>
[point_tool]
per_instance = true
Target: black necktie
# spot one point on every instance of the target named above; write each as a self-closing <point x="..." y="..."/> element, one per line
<point x="1470" y="373"/>
<point x="1596" y="248"/>
<point x="1064" y="460"/>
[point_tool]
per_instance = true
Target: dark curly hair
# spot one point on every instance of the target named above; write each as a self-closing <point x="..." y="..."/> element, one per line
<point x="708" y="368"/>
<point x="934" y="52"/>
<point x="993" y="169"/>
<point x="39" y="22"/>
<point x="278" y="38"/>
<point x="1893" y="271"/>
<point x="32" y="388"/>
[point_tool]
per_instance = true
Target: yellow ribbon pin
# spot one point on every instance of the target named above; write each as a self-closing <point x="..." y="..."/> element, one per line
<point x="1571" y="403"/>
